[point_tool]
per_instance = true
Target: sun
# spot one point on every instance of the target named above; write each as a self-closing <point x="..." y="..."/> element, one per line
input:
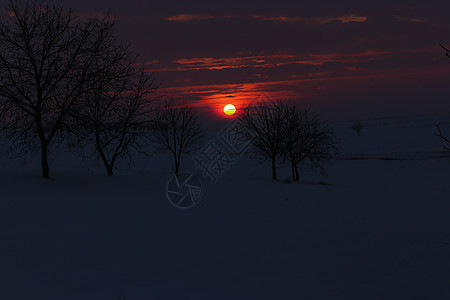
<point x="229" y="109"/>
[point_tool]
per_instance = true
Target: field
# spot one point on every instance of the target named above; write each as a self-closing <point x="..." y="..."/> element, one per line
<point x="375" y="226"/>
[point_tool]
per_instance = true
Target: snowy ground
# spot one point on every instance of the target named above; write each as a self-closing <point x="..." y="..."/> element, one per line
<point x="377" y="226"/>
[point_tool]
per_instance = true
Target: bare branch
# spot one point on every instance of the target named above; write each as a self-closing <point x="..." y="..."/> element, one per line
<point x="262" y="124"/>
<point x="47" y="59"/>
<point x="448" y="51"/>
<point x="441" y="136"/>
<point x="177" y="129"/>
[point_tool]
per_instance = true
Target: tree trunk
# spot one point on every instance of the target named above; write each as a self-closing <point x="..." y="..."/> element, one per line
<point x="109" y="170"/>
<point x="177" y="169"/>
<point x="274" y="169"/>
<point x="176" y="161"/>
<point x="109" y="167"/>
<point x="297" y="177"/>
<point x="292" y="171"/>
<point x="44" y="146"/>
<point x="44" y="160"/>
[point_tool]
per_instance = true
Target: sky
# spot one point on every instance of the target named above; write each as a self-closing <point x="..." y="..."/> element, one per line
<point x="345" y="59"/>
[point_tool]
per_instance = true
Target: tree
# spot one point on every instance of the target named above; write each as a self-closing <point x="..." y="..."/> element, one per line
<point x="441" y="136"/>
<point x="439" y="133"/>
<point x="357" y="126"/>
<point x="46" y="55"/>
<point x="262" y="124"/>
<point x="447" y="50"/>
<point x="115" y="115"/>
<point x="280" y="131"/>
<point x="306" y="139"/>
<point x="177" y="129"/>
<point x="114" y="112"/>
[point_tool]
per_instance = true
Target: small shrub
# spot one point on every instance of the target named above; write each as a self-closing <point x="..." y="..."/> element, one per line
<point x="357" y="127"/>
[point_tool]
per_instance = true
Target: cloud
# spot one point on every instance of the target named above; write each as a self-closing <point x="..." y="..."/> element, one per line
<point x="189" y="17"/>
<point x="231" y="62"/>
<point x="313" y="20"/>
<point x="319" y="86"/>
<point x="306" y="20"/>
<point x="269" y="61"/>
<point x="151" y="62"/>
<point x="99" y="15"/>
<point x="412" y="20"/>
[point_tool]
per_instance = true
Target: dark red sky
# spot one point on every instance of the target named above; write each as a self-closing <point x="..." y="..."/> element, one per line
<point x="347" y="59"/>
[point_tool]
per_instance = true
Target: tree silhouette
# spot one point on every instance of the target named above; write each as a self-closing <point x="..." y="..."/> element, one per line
<point x="439" y="132"/>
<point x="357" y="126"/>
<point x="262" y="124"/>
<point x="280" y="131"/>
<point x="441" y="136"/>
<point x="446" y="50"/>
<point x="46" y="58"/>
<point x="306" y="139"/>
<point x="114" y="111"/>
<point x="177" y="129"/>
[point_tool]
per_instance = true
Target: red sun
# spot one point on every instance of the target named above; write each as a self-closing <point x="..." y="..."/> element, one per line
<point x="229" y="109"/>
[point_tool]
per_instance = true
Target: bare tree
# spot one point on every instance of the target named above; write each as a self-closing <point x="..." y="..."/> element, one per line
<point x="306" y="139"/>
<point x="262" y="124"/>
<point x="357" y="126"/>
<point x="441" y="135"/>
<point x="447" y="50"/>
<point x="281" y="131"/>
<point x="177" y="129"/>
<point x="46" y="55"/>
<point x="115" y="113"/>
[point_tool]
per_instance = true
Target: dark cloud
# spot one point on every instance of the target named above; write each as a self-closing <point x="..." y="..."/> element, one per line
<point x="380" y="55"/>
